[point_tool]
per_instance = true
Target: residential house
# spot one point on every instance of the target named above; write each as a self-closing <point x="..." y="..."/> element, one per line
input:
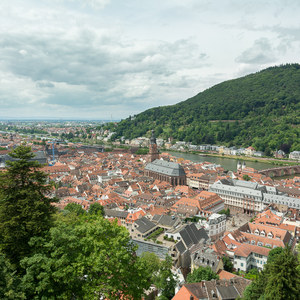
<point x="247" y="257"/>
<point x="142" y="228"/>
<point x="226" y="289"/>
<point x="216" y="226"/>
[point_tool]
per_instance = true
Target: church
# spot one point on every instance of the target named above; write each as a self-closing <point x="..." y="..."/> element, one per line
<point x="163" y="170"/>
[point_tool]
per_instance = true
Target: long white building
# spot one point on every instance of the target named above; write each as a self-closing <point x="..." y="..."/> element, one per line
<point x="250" y="197"/>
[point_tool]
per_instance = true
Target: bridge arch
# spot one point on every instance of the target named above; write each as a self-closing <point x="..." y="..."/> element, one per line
<point x="281" y="171"/>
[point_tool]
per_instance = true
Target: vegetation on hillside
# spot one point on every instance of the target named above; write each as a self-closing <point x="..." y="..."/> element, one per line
<point x="259" y="110"/>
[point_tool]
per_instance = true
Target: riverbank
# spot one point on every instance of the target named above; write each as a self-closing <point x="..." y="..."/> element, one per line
<point x="268" y="160"/>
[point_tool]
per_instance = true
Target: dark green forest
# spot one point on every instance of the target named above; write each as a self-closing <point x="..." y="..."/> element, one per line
<point x="259" y="110"/>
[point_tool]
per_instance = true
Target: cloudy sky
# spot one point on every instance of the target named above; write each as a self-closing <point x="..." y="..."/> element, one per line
<point x="103" y="59"/>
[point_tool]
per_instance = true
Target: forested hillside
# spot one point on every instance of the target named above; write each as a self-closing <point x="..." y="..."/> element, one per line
<point x="259" y="110"/>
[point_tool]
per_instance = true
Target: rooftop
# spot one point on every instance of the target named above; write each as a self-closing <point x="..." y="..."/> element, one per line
<point x="166" y="168"/>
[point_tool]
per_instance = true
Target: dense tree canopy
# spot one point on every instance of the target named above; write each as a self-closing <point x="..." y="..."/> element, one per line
<point x="279" y="280"/>
<point x="76" y="255"/>
<point x="201" y="273"/>
<point x="259" y="110"/>
<point x="228" y="265"/>
<point x="96" y="209"/>
<point x="85" y="260"/>
<point x="25" y="208"/>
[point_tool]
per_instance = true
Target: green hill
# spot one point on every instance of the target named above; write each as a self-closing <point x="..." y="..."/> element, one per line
<point x="261" y="110"/>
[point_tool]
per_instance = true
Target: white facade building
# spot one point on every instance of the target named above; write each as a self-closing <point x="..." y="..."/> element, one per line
<point x="217" y="226"/>
<point x="250" y="197"/>
<point x="248" y="256"/>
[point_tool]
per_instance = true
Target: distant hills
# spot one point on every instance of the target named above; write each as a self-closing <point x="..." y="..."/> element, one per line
<point x="261" y="110"/>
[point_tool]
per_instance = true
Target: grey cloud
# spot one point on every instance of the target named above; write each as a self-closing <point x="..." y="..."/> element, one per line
<point x="45" y="84"/>
<point x="260" y="53"/>
<point x="107" y="69"/>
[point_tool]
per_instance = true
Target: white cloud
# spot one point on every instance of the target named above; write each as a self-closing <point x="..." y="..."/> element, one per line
<point x="95" y="57"/>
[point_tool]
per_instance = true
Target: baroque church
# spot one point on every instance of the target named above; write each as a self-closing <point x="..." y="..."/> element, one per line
<point x="163" y="170"/>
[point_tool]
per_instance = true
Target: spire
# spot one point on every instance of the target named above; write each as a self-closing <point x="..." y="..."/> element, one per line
<point x="153" y="138"/>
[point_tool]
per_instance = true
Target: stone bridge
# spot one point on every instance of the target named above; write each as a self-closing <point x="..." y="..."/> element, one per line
<point x="281" y="171"/>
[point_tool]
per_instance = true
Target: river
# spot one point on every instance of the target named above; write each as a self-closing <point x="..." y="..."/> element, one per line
<point x="226" y="163"/>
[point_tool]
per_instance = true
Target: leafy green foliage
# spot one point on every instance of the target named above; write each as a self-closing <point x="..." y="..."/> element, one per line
<point x="25" y="208"/>
<point x="279" y="280"/>
<point x="252" y="274"/>
<point x="228" y="265"/>
<point x="165" y="280"/>
<point x="155" y="234"/>
<point x="151" y="264"/>
<point x="201" y="273"/>
<point x="274" y="253"/>
<point x="225" y="212"/>
<point x="84" y="260"/>
<point x="246" y="177"/>
<point x="142" y="151"/>
<point x="75" y="208"/>
<point x="77" y="255"/>
<point x="261" y="110"/>
<point x="96" y="209"/>
<point x="9" y="281"/>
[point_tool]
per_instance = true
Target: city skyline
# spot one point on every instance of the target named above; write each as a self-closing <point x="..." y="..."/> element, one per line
<point x="106" y="59"/>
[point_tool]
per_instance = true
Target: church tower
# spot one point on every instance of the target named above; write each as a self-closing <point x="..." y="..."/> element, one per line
<point x="153" y="151"/>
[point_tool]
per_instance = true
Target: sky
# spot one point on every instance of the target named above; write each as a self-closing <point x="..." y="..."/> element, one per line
<point x="108" y="59"/>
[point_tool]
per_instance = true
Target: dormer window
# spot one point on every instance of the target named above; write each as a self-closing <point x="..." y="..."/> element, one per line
<point x="256" y="232"/>
<point x="270" y="235"/>
<point x="263" y="233"/>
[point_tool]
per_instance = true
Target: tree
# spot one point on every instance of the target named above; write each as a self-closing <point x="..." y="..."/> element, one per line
<point x="166" y="281"/>
<point x="152" y="264"/>
<point x="246" y="177"/>
<point x="9" y="281"/>
<point x="225" y="212"/>
<point x="255" y="290"/>
<point x="284" y="280"/>
<point x="279" y="280"/>
<point x="228" y="265"/>
<point x="201" y="273"/>
<point x="89" y="259"/>
<point x="75" y="208"/>
<point x="25" y="205"/>
<point x="274" y="253"/>
<point x="96" y="209"/>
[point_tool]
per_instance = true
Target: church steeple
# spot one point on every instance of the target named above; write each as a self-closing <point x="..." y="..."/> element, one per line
<point x="153" y="138"/>
<point x="153" y="151"/>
